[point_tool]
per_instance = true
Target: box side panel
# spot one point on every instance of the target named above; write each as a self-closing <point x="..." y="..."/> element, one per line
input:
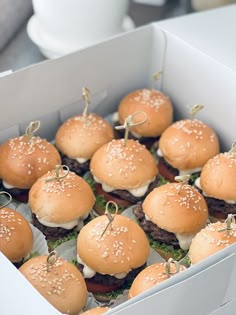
<point x="112" y="68"/>
<point x="187" y="297"/>
<point x="218" y="25"/>
<point x="17" y="294"/>
<point x="192" y="77"/>
<point x="227" y="309"/>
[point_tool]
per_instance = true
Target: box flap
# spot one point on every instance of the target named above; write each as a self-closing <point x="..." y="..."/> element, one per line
<point x="226" y="309"/>
<point x="18" y="295"/>
<point x="186" y="297"/>
<point x="212" y="32"/>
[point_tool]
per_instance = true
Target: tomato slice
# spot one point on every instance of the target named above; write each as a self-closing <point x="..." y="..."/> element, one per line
<point x="165" y="172"/>
<point x="95" y="287"/>
<point x="109" y="197"/>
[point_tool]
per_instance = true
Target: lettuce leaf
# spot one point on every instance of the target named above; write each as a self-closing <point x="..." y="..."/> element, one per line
<point x="177" y="254"/>
<point x="53" y="244"/>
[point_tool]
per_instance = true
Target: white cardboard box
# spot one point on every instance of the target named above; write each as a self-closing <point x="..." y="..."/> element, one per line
<point x="196" y="54"/>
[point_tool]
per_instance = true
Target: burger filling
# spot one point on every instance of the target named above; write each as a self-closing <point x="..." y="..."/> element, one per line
<point x="79" y="166"/>
<point x="169" y="172"/>
<point x="123" y="198"/>
<point x="162" y="239"/>
<point x="103" y="283"/>
<point x="217" y="208"/>
<point x="57" y="234"/>
<point x="147" y="141"/>
<point x="131" y="195"/>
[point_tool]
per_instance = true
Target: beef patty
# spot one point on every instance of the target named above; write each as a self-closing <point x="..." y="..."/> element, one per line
<point x="126" y="195"/>
<point x="74" y="166"/>
<point x="219" y="208"/>
<point x="153" y="230"/>
<point x="110" y="280"/>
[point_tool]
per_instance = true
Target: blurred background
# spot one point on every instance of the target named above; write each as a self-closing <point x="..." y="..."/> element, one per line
<point x="27" y="38"/>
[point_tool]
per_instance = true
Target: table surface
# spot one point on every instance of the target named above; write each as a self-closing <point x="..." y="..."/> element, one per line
<point x="22" y="52"/>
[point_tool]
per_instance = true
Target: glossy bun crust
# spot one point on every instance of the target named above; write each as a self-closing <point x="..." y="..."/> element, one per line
<point x="154" y="104"/>
<point x="61" y="201"/>
<point x="16" y="237"/>
<point x="78" y="138"/>
<point x="150" y="277"/>
<point x="218" y="177"/>
<point x="123" y="167"/>
<point x="188" y="144"/>
<point x="122" y="248"/>
<point x="23" y="161"/>
<point x="211" y="240"/>
<point x="61" y="283"/>
<point x="176" y="210"/>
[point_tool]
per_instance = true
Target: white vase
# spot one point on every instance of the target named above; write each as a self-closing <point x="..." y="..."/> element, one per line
<point x="76" y="23"/>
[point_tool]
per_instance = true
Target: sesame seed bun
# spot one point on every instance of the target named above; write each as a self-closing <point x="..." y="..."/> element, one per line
<point x="150" y="277"/>
<point x="123" y="167"/>
<point x="78" y="138"/>
<point x="61" y="284"/>
<point x="49" y="199"/>
<point x="156" y="106"/>
<point x="218" y="177"/>
<point x="23" y="161"/>
<point x="210" y="240"/>
<point x="16" y="237"/>
<point x="122" y="248"/>
<point x="178" y="211"/>
<point x="96" y="311"/>
<point x="188" y="144"/>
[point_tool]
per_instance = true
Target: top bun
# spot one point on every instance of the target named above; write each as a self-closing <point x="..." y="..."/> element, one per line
<point x="157" y="107"/>
<point x="60" y="283"/>
<point x="176" y="210"/>
<point x="211" y="240"/>
<point x="63" y="200"/>
<point x="78" y="138"/>
<point x="23" y="161"/>
<point x="16" y="237"/>
<point x="123" y="247"/>
<point x="218" y="177"/>
<point x="188" y="144"/>
<point x="96" y="311"/>
<point x="150" y="277"/>
<point x="123" y="166"/>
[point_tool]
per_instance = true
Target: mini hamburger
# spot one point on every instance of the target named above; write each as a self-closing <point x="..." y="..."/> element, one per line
<point x="111" y="254"/>
<point x="171" y="215"/>
<point x="155" y="105"/>
<point x="78" y="138"/>
<point x="16" y="237"/>
<point x="124" y="172"/>
<point x="58" y="281"/>
<point x="213" y="238"/>
<point x="185" y="147"/>
<point x="96" y="311"/>
<point x="60" y="201"/>
<point x="23" y="160"/>
<point x="152" y="275"/>
<point x="218" y="184"/>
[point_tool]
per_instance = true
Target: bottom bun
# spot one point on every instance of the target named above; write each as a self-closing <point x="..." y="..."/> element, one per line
<point x="96" y="311"/>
